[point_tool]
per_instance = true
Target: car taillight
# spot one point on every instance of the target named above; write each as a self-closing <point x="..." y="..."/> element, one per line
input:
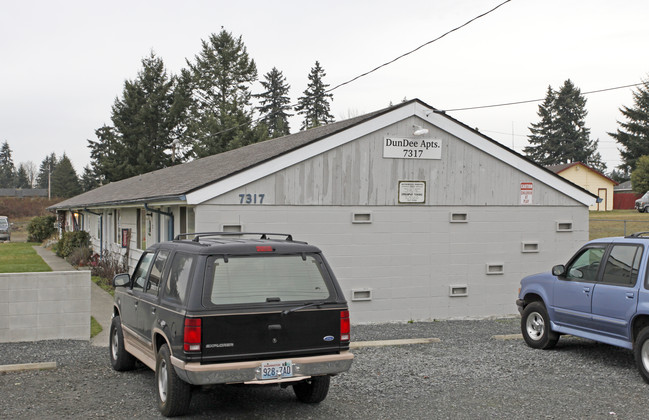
<point x="264" y="248"/>
<point x="192" y="334"/>
<point x="344" y="325"/>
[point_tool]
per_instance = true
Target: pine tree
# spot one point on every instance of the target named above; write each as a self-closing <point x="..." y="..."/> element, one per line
<point x="145" y="124"/>
<point x="65" y="182"/>
<point x="314" y="105"/>
<point x="89" y="179"/>
<point x="275" y="104"/>
<point x="7" y="168"/>
<point x="22" y="180"/>
<point x="221" y="113"/>
<point x="633" y="134"/>
<point x="45" y="170"/>
<point x="561" y="135"/>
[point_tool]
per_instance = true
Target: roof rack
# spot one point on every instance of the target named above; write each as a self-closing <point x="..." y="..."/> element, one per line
<point x="638" y="235"/>
<point x="198" y="235"/>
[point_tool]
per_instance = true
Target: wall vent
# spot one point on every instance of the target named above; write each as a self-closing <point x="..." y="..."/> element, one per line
<point x="495" y="268"/>
<point x="361" y="294"/>
<point x="529" y="247"/>
<point x="458" y="217"/>
<point x="361" y="217"/>
<point x="564" y="226"/>
<point x="456" y="290"/>
<point x="232" y="228"/>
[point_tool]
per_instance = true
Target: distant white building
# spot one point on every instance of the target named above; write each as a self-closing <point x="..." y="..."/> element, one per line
<point x="420" y="216"/>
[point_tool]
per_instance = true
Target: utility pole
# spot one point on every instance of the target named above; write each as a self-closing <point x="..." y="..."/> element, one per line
<point x="49" y="181"/>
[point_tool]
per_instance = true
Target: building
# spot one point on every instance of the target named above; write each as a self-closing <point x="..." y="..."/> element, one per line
<point x="624" y="197"/>
<point x="420" y="216"/>
<point x="589" y="179"/>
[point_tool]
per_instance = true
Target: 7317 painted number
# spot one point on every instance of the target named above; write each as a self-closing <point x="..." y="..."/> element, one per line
<point x="251" y="198"/>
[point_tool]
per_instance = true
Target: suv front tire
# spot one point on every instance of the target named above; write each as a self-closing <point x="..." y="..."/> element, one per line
<point x="535" y="326"/>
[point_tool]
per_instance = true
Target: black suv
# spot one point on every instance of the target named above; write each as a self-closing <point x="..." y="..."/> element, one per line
<point x="225" y="308"/>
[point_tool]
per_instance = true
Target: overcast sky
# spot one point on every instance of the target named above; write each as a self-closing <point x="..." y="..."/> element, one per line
<point x="63" y="63"/>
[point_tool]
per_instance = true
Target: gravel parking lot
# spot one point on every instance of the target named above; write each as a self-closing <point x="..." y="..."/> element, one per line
<point x="469" y="374"/>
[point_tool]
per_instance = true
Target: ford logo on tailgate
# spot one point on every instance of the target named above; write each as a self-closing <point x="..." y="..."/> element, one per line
<point x="329" y="338"/>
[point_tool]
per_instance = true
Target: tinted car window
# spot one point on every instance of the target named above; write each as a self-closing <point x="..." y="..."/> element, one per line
<point x="263" y="279"/>
<point x="139" y="275"/>
<point x="179" y="272"/>
<point x="156" y="272"/>
<point x="585" y="267"/>
<point x="622" y="265"/>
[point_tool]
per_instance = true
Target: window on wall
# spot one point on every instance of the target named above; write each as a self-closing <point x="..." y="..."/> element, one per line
<point x="191" y="220"/>
<point x="141" y="226"/>
<point x="116" y="234"/>
<point x="183" y="220"/>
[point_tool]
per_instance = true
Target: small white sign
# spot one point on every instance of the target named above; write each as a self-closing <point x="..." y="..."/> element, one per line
<point x="412" y="148"/>
<point x="527" y="193"/>
<point x="412" y="191"/>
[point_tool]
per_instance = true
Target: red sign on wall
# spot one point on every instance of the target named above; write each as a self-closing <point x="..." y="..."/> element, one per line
<point x="527" y="190"/>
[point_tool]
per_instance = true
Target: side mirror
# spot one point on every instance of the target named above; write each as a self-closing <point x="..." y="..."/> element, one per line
<point x="121" y="280"/>
<point x="559" y="270"/>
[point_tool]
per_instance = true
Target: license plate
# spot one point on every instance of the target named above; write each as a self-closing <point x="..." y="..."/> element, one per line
<point x="276" y="370"/>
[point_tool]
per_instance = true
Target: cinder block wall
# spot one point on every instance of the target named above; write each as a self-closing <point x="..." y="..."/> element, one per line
<point x="45" y="306"/>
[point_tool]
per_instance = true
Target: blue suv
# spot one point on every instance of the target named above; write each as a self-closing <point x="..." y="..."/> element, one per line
<point x="601" y="294"/>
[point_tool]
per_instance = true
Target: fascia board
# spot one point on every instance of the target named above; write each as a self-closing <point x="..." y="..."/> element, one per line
<point x="503" y="155"/>
<point x="289" y="159"/>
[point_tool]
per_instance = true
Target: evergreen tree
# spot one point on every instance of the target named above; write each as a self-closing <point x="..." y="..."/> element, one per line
<point x="275" y="104"/>
<point x="22" y="180"/>
<point x="65" y="182"/>
<point x="45" y="170"/>
<point x="89" y="179"/>
<point x="7" y="168"/>
<point x="561" y="135"/>
<point x="640" y="176"/>
<point x="633" y="134"/>
<point x="314" y="105"/>
<point x="220" y="116"/>
<point x="619" y="176"/>
<point x="145" y="123"/>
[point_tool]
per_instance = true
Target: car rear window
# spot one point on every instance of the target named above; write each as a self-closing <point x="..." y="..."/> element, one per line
<point x="3" y="223"/>
<point x="258" y="279"/>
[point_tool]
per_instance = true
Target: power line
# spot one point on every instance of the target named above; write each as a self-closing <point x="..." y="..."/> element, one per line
<point x="418" y="48"/>
<point x="536" y="100"/>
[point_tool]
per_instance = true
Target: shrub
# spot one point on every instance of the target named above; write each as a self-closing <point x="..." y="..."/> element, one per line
<point x="40" y="228"/>
<point x="71" y="240"/>
<point x="108" y="265"/>
<point x="80" y="257"/>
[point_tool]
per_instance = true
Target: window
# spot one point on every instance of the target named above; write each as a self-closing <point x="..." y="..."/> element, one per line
<point x="585" y="267"/>
<point x="181" y="268"/>
<point x="139" y="275"/>
<point x="266" y="279"/>
<point x="622" y="265"/>
<point x="156" y="272"/>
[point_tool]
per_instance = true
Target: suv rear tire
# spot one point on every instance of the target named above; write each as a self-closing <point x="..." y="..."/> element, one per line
<point x="120" y="359"/>
<point x="641" y="353"/>
<point x="174" y="394"/>
<point x="312" y="390"/>
<point x="535" y="326"/>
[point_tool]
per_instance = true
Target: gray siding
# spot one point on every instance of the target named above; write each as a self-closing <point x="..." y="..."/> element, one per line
<point x="357" y="174"/>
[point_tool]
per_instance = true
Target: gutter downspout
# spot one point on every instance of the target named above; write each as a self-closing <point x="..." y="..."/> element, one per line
<point x="170" y="225"/>
<point x="101" y="231"/>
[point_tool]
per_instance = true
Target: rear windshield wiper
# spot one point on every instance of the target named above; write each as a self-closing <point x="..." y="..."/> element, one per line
<point x="308" y="305"/>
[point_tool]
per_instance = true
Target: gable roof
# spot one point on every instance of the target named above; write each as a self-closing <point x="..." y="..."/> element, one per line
<point x="565" y="166"/>
<point x="202" y="179"/>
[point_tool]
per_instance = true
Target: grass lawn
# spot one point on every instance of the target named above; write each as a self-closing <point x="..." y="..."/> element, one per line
<point x="612" y="223"/>
<point x="20" y="257"/>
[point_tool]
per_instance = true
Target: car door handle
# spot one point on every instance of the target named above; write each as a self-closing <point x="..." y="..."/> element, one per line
<point x="274" y="327"/>
<point x="586" y="289"/>
<point x="136" y="303"/>
<point x="153" y="310"/>
<point x="630" y="295"/>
